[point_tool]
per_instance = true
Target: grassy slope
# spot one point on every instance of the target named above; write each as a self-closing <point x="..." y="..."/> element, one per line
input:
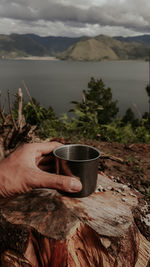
<point x="104" y="47"/>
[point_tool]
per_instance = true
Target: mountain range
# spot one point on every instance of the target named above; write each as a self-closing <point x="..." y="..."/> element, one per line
<point x="82" y="48"/>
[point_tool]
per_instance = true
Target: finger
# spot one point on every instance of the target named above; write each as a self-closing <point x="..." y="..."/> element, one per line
<point x="48" y="147"/>
<point x="50" y="180"/>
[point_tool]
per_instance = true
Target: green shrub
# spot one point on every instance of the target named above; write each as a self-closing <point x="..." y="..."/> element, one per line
<point x="117" y="133"/>
<point x="48" y="128"/>
<point x="142" y="135"/>
<point x="96" y="99"/>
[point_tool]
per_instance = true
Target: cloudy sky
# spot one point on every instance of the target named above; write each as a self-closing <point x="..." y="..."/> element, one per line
<point x="75" y="17"/>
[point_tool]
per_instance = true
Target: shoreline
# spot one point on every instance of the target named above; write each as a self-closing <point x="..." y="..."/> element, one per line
<point x="50" y="58"/>
<point x="32" y="58"/>
<point x="37" y="58"/>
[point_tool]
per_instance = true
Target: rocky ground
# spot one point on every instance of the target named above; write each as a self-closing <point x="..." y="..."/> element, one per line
<point x="127" y="163"/>
<point x="132" y="164"/>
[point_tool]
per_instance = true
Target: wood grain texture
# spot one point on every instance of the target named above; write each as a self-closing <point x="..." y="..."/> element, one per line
<point x="46" y="228"/>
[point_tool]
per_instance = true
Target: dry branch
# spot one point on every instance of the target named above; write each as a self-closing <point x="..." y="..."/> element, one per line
<point x="106" y="156"/>
<point x="10" y="110"/>
<point x="20" y="118"/>
<point x="13" y="132"/>
<point x="29" y="95"/>
<point x="1" y="108"/>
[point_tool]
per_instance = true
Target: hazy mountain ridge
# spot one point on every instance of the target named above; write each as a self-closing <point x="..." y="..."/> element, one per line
<point x="15" y="45"/>
<point x="82" y="48"/>
<point x="54" y="44"/>
<point x="105" y="48"/>
<point x="144" y="39"/>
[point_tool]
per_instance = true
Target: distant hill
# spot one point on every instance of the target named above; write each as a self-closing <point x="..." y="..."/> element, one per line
<point x="16" y="45"/>
<point x="143" y="39"/>
<point x="20" y="45"/>
<point x="54" y="44"/>
<point x="105" y="48"/>
<point x="83" y="48"/>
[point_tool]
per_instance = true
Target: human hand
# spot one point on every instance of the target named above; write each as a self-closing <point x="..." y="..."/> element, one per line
<point x="25" y="169"/>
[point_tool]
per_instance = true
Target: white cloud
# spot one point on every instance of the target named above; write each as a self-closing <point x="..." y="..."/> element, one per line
<point x="74" y="18"/>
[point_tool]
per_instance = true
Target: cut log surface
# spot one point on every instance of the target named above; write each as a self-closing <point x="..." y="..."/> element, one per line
<point x="110" y="228"/>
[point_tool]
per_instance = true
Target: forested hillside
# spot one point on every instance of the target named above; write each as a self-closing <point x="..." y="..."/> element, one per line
<point x="83" y="48"/>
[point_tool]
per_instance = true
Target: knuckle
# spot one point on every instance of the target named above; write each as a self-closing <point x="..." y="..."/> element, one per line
<point x="26" y="146"/>
<point x="54" y="143"/>
<point x="63" y="182"/>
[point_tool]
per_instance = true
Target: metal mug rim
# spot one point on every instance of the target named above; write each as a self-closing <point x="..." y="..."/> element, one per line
<point x="76" y="160"/>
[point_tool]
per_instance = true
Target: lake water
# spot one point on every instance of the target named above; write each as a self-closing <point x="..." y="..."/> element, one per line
<point x="57" y="83"/>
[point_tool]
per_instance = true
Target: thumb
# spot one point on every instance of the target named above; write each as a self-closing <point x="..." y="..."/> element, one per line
<point x="50" y="180"/>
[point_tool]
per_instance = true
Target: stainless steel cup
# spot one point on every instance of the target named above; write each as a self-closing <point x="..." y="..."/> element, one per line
<point x="80" y="161"/>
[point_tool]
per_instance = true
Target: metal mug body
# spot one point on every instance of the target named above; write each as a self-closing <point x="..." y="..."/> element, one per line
<point x="79" y="161"/>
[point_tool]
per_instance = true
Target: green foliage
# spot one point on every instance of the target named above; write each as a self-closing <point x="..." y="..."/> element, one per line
<point x="85" y="120"/>
<point x="93" y="118"/>
<point x="148" y="90"/>
<point x="35" y="114"/>
<point x="117" y="133"/>
<point x="129" y="117"/>
<point x="95" y="109"/>
<point x="142" y="133"/>
<point x="148" y="93"/>
<point x="45" y="119"/>
<point x="48" y="128"/>
<point x="102" y="96"/>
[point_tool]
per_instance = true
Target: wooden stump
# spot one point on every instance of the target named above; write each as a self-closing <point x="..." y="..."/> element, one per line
<point x="45" y="228"/>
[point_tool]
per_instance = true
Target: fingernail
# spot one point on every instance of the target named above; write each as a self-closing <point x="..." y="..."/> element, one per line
<point x="75" y="185"/>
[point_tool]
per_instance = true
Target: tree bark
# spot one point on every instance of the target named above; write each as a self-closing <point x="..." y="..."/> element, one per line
<point x="110" y="228"/>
